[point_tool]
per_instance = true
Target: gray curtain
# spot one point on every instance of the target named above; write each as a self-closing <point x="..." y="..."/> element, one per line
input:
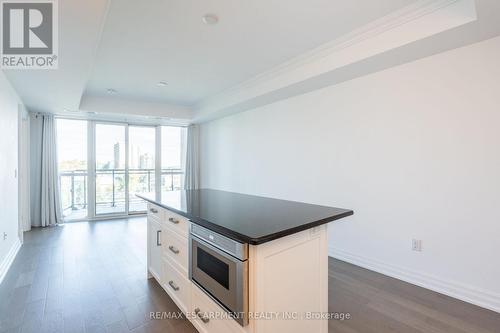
<point x="44" y="184"/>
<point x="192" y="172"/>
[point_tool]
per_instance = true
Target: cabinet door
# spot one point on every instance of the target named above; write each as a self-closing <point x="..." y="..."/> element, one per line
<point x="155" y="248"/>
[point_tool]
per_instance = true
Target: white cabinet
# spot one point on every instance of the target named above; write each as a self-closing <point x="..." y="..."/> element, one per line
<point x="176" y="250"/>
<point x="155" y="248"/>
<point x="177" y="223"/>
<point x="168" y="254"/>
<point x="205" y="315"/>
<point x="174" y="264"/>
<point x="156" y="212"/>
<point x="289" y="276"/>
<point x="177" y="285"/>
<point x="286" y="276"/>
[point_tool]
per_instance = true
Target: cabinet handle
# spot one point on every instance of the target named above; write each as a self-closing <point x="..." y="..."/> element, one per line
<point x="174" y="221"/>
<point x="158" y="237"/>
<point x="154" y="211"/>
<point x="172" y="285"/>
<point x="199" y="315"/>
<point x="173" y="249"/>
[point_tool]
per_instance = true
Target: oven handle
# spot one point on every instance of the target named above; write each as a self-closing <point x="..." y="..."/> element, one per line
<point x="240" y="249"/>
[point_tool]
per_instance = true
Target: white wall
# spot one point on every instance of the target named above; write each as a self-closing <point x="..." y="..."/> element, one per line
<point x="413" y="150"/>
<point x="9" y="103"/>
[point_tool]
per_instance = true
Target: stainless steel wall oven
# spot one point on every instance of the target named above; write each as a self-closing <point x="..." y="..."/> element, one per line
<point x="219" y="265"/>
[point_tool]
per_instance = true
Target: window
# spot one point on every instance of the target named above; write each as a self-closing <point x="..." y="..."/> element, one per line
<point x="72" y="164"/>
<point x="173" y="141"/>
<point x="110" y="183"/>
<point x="141" y="156"/>
<point x="124" y="158"/>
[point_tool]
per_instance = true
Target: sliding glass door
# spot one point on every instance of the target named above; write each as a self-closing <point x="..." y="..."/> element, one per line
<point x="172" y="157"/>
<point x="110" y="169"/>
<point x="141" y="165"/>
<point x="72" y="164"/>
<point x="103" y="165"/>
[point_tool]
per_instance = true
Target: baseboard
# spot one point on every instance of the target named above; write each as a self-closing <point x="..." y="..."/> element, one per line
<point x="9" y="259"/>
<point x="466" y="293"/>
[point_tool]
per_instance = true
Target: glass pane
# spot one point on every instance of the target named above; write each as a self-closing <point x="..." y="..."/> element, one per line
<point x="213" y="267"/>
<point x="72" y="164"/>
<point x="110" y="168"/>
<point x="171" y="180"/>
<point x="173" y="141"/>
<point x="141" y="165"/>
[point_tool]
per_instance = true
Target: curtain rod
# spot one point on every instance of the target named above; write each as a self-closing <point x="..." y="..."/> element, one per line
<point x="133" y="123"/>
<point x="77" y="117"/>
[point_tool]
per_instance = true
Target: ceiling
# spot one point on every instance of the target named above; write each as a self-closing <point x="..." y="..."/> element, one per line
<point x="80" y="26"/>
<point x="167" y="41"/>
<point x="120" y="45"/>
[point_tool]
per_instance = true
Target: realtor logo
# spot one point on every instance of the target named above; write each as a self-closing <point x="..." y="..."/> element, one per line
<point x="29" y="34"/>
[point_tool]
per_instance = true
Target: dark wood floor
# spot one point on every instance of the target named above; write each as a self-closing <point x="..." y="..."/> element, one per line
<point x="85" y="277"/>
<point x="378" y="303"/>
<point x="89" y="277"/>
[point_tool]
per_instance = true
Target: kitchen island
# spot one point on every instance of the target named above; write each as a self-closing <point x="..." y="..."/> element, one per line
<point x="241" y="263"/>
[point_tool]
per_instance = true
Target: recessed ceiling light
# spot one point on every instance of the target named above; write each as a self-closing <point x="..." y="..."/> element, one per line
<point x="111" y="91"/>
<point x="162" y="84"/>
<point x="210" y="19"/>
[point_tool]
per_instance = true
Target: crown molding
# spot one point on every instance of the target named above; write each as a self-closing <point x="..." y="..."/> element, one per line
<point x="375" y="28"/>
<point x="360" y="44"/>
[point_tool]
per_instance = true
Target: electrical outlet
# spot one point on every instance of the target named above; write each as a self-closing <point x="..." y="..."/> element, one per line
<point x="416" y="245"/>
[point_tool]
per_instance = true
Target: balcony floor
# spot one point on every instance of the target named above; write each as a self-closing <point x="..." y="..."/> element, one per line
<point x="81" y="214"/>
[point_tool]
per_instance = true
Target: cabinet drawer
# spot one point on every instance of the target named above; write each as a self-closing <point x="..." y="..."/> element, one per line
<point x="176" y="285"/>
<point x="177" y="223"/>
<point x="215" y="320"/>
<point x="155" y="211"/>
<point x="175" y="247"/>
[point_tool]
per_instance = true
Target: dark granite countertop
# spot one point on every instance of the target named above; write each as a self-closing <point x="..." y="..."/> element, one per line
<point x="246" y="218"/>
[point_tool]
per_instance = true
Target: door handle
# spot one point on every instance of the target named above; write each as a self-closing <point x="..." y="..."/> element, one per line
<point x="173" y="249"/>
<point x="172" y="285"/>
<point x="174" y="221"/>
<point x="158" y="238"/>
<point x="197" y="311"/>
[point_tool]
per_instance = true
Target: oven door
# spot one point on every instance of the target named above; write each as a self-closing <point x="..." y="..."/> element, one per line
<point x="223" y="276"/>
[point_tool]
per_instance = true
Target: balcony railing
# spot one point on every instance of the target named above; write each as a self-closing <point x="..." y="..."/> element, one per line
<point x="110" y="187"/>
<point x="73" y="189"/>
